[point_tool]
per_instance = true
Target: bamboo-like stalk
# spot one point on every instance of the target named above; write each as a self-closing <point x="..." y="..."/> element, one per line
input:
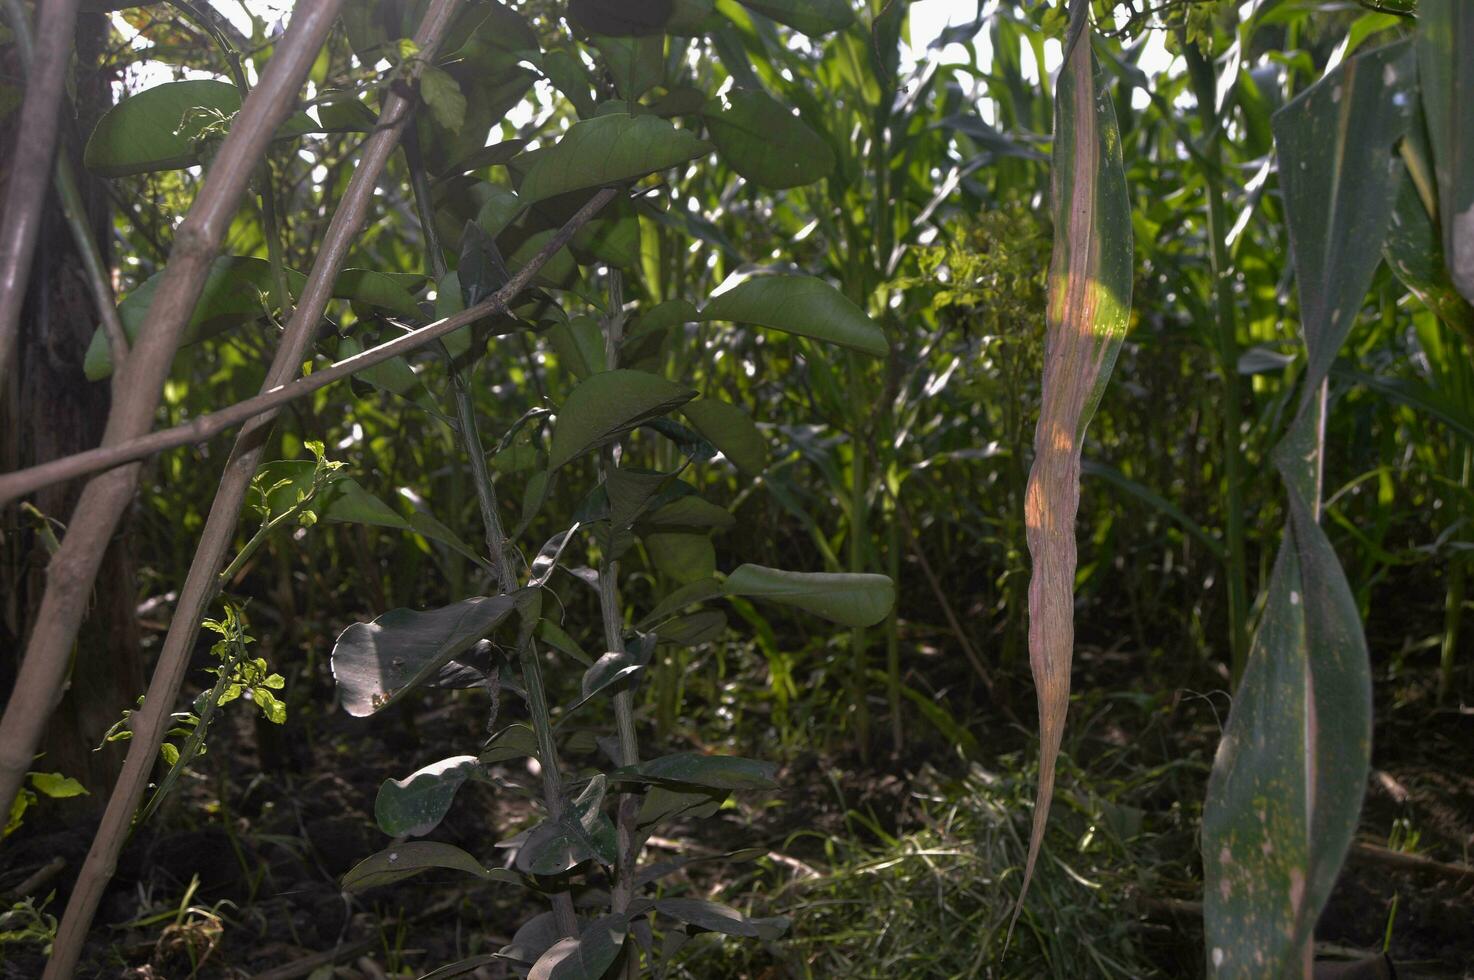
<point x="205" y="427"/>
<point x="202" y="582"/>
<point x="73" y="568"/>
<point x="30" y="170"/>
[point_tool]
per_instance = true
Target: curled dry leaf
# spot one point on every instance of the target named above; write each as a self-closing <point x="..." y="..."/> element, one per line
<point x="1089" y="300"/>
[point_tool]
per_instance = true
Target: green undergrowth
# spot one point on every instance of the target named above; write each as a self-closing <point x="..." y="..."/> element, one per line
<point x="935" y="900"/>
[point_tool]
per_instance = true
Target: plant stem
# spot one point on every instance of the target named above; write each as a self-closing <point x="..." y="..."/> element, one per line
<point x="859" y="533"/>
<point x="1453" y="604"/>
<point x="1226" y="320"/>
<point x="627" y="844"/>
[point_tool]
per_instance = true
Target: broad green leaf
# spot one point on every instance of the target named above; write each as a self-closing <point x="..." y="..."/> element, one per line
<point x="346" y="501"/>
<point x="156" y="129"/>
<point x="513" y="742"/>
<point x="763" y="140"/>
<point x="731" y="430"/>
<point x="1446" y="77"/>
<point x="379" y="289"/>
<point x="812" y="17"/>
<point x="630" y="492"/>
<point x="691" y="511"/>
<point x="637" y="64"/>
<point x="1089" y="299"/>
<point x="556" y="637"/>
<point x="607" y="405"/>
<point x="238" y="290"/>
<point x="800" y="305"/>
<point x="343" y="113"/>
<point x="681" y="555"/>
<point x="849" y="598"/>
<point x="415" y="805"/>
<point x="661" y="803"/>
<point x="709" y="771"/>
<point x="554" y="847"/>
<point x="55" y="785"/>
<point x="587" y="957"/>
<point x="412" y="857"/>
<point x="1285" y="792"/>
<point x="444" y="98"/>
<point x="716" y="917"/>
<point x="579" y="344"/>
<point x="606" y="150"/>
<point x="621" y="18"/>
<point x="697" y="628"/>
<point x="610" y="671"/>
<point x="375" y="663"/>
<point x="687" y="595"/>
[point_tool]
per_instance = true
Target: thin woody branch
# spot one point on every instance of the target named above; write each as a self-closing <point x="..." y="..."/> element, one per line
<point x="73" y="568"/>
<point x="202" y="581"/>
<point x="205" y="427"/>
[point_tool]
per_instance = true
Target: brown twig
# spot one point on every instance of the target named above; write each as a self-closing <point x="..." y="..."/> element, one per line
<point x="33" y="882"/>
<point x="1367" y="853"/>
<point x="202" y="580"/>
<point x="203" y="428"/>
<point x="30" y="168"/>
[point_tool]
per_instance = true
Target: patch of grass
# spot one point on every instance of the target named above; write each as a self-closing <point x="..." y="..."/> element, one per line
<point x="934" y="902"/>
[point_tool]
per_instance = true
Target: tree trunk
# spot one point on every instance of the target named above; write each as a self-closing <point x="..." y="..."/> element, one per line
<point x="50" y="410"/>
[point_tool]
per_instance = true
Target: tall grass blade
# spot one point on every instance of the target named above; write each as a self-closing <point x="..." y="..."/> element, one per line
<point x="1285" y="792"/>
<point x="1088" y="306"/>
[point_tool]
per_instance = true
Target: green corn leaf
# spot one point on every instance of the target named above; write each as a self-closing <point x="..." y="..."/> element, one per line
<point x="1285" y="792"/>
<point x="1446" y="75"/>
<point x="1088" y="313"/>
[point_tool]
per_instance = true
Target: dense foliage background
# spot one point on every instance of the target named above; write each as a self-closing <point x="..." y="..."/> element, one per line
<point x="906" y="751"/>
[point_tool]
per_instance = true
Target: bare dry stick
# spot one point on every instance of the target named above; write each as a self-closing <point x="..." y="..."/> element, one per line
<point x="30" y="169"/>
<point x="201" y="583"/>
<point x="204" y="427"/>
<point x="72" y="569"/>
